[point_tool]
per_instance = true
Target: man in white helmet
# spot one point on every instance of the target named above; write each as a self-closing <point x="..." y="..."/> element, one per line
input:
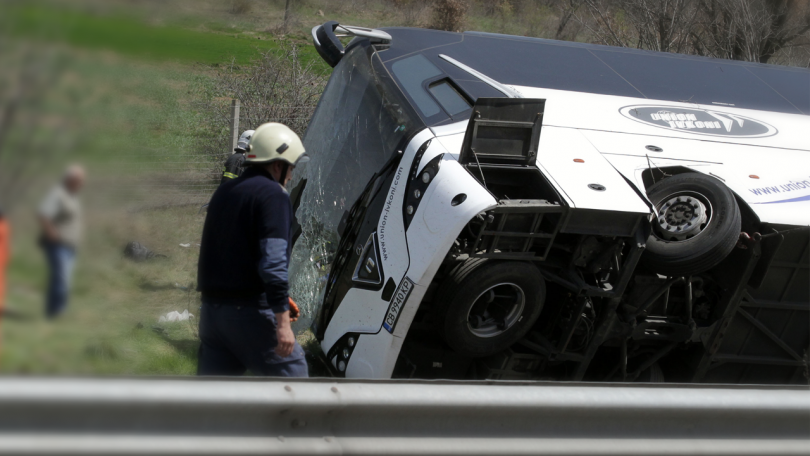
<point x="234" y="165"/>
<point x="244" y="256"/>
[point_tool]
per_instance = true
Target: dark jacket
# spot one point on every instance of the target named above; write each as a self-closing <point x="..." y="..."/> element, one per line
<point x="245" y="250"/>
<point x="234" y="167"/>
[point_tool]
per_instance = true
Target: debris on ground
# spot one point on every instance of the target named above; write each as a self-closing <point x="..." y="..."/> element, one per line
<point x="136" y="251"/>
<point x="175" y="316"/>
<point x="11" y="314"/>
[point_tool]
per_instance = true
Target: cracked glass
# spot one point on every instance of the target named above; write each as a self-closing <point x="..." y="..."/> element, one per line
<point x="359" y="124"/>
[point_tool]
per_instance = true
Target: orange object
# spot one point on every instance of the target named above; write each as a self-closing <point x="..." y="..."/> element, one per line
<point x="294" y="311"/>
<point x="5" y="256"/>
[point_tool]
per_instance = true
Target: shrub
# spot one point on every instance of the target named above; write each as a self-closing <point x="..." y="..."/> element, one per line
<point x="277" y="87"/>
<point x="411" y="11"/>
<point x="449" y="15"/>
<point x="241" y="6"/>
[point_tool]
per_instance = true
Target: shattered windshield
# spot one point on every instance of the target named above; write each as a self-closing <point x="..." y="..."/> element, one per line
<point x="359" y="123"/>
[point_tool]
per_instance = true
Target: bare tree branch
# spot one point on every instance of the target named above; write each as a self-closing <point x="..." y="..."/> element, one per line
<point x="753" y="30"/>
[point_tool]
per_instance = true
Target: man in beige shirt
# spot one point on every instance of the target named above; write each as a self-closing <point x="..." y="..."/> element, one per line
<point x="60" y="218"/>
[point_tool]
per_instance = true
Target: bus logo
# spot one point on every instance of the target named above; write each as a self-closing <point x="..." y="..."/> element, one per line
<point x="698" y="121"/>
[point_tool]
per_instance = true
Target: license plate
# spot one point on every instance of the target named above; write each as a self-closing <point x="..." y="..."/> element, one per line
<point x="397" y="302"/>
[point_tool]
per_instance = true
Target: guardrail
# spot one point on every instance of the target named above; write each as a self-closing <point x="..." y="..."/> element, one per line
<point x="324" y="416"/>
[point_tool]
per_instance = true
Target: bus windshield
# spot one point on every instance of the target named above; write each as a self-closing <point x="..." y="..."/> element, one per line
<point x="359" y="123"/>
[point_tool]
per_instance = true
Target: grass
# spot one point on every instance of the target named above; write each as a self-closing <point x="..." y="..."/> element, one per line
<point x="126" y="109"/>
<point x="129" y="36"/>
<point x="111" y="325"/>
<point x="121" y="102"/>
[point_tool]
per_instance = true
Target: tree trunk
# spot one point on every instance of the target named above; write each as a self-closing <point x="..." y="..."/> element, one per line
<point x="287" y="13"/>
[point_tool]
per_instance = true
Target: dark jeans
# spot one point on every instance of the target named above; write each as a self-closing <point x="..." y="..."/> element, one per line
<point x="239" y="338"/>
<point x="60" y="263"/>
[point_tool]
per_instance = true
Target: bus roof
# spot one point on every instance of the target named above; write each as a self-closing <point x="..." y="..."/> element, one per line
<point x="607" y="70"/>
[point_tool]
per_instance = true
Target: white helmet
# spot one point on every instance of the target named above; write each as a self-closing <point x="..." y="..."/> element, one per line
<point x="244" y="140"/>
<point x="274" y="141"/>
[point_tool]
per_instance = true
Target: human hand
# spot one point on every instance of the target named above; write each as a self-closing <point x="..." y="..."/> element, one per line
<point x="53" y="237"/>
<point x="284" y="333"/>
<point x="295" y="312"/>
<point x="49" y="231"/>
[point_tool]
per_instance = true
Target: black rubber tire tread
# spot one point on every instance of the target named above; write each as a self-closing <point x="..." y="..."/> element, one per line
<point x="466" y="282"/>
<point x="710" y="247"/>
<point x="652" y="374"/>
<point x="449" y="287"/>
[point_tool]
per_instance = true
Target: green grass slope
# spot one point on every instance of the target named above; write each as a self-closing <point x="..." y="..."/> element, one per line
<point x="128" y="35"/>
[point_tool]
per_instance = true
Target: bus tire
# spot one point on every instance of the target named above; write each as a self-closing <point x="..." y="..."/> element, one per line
<point x="652" y="374"/>
<point x="488" y="305"/>
<point x="697" y="224"/>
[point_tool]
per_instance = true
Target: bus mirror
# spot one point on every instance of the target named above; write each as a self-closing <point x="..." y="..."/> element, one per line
<point x="327" y="43"/>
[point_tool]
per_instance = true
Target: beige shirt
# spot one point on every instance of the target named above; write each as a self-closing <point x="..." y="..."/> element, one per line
<point x="65" y="213"/>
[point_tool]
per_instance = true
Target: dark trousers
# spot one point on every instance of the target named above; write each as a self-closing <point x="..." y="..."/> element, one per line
<point x="60" y="264"/>
<point x="239" y="338"/>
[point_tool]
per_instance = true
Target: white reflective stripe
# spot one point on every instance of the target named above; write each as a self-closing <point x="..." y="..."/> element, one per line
<point x="508" y="91"/>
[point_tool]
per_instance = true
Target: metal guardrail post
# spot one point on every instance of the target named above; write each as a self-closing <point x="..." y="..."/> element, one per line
<point x="234" y="123"/>
<point x="268" y="416"/>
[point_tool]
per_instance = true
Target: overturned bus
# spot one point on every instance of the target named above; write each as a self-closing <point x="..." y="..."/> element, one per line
<point x="483" y="206"/>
